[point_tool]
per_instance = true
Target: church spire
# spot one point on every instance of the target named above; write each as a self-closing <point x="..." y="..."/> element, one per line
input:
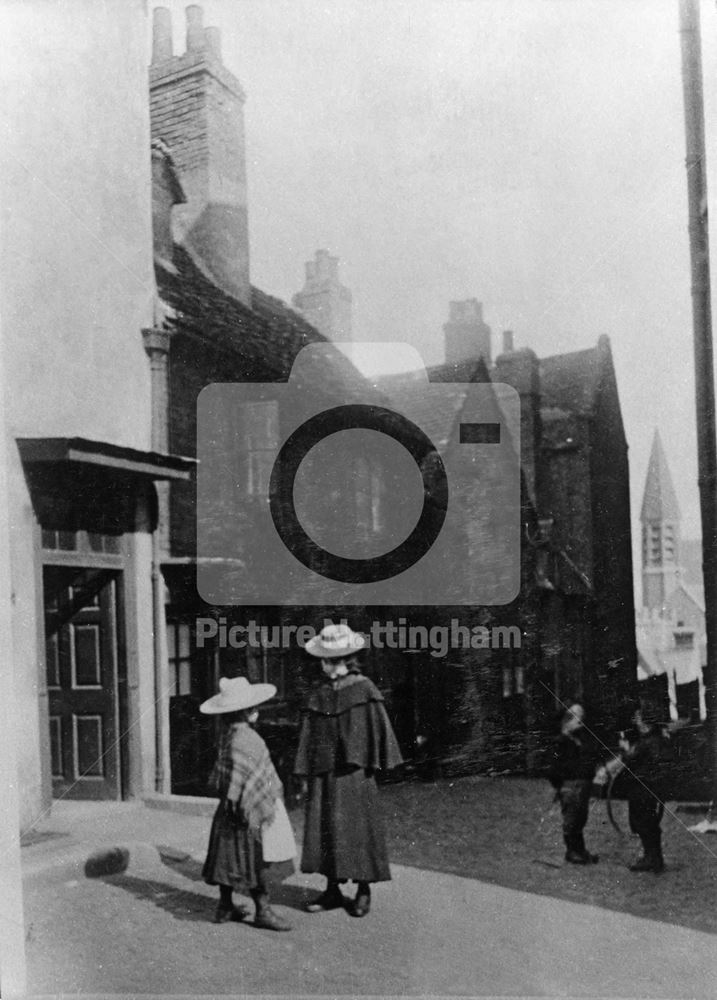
<point x="659" y="502"/>
<point x="660" y="518"/>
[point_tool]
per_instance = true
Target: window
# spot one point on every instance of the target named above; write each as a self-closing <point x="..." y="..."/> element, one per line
<point x="376" y="502"/>
<point x="265" y="665"/>
<point x="364" y="500"/>
<point x="684" y="640"/>
<point x="669" y="541"/>
<point x="261" y="435"/>
<point x="179" y="656"/>
<point x="63" y="541"/>
<point x="513" y="678"/>
<point x="655" y="543"/>
<point x="80" y="541"/>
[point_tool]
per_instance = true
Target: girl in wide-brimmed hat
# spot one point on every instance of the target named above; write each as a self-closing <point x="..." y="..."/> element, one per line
<point x="251" y="843"/>
<point x="345" y="738"/>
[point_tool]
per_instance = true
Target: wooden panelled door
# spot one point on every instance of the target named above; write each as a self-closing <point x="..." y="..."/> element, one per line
<point x="81" y="658"/>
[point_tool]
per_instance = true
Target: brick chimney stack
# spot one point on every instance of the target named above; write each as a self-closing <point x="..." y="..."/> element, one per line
<point x="197" y="111"/>
<point x="466" y="335"/>
<point x="323" y="300"/>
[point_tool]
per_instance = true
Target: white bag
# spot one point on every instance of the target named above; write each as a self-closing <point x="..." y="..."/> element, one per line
<point x="277" y="837"/>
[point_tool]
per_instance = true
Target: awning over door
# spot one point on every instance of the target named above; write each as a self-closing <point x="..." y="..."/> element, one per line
<point x="82" y="452"/>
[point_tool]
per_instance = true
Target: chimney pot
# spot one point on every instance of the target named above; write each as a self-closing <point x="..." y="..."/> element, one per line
<point x="507" y="341"/>
<point x="195" y="31"/>
<point x="324" y="301"/>
<point x="465" y="311"/>
<point x="327" y="267"/>
<point x="213" y="42"/>
<point x="161" y="35"/>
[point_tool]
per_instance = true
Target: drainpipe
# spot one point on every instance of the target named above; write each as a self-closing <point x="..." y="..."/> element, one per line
<point x="702" y="337"/>
<point x="156" y="344"/>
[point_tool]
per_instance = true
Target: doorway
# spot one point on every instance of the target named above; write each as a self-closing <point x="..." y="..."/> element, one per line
<point x="82" y="626"/>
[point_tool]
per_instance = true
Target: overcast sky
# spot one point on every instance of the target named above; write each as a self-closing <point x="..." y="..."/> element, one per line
<point x="528" y="153"/>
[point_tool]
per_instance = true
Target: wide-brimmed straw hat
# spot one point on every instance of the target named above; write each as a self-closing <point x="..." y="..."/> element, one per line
<point x="334" y="641"/>
<point x="235" y="694"/>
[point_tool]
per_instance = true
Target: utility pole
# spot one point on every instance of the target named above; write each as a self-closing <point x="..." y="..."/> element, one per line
<point x="702" y="336"/>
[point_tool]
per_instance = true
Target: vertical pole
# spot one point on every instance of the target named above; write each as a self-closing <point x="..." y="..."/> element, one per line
<point x="702" y="335"/>
<point x="156" y="345"/>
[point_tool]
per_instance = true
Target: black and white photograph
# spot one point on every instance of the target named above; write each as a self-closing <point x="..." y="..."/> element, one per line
<point x="358" y="499"/>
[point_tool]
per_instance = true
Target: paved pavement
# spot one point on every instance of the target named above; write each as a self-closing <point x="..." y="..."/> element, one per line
<point x="147" y="930"/>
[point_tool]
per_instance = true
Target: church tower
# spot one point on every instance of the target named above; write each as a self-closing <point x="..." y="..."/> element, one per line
<point x="660" y="519"/>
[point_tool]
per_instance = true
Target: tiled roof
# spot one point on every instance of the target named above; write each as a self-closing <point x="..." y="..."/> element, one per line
<point x="436" y="419"/>
<point x="266" y="340"/>
<point x="571" y="381"/>
<point x="569" y="384"/>
<point x="659" y="501"/>
<point x="263" y="340"/>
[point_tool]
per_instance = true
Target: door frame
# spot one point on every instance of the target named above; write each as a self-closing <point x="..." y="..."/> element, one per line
<point x="117" y="565"/>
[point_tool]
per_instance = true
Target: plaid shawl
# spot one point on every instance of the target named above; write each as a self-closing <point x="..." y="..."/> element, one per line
<point x="245" y="774"/>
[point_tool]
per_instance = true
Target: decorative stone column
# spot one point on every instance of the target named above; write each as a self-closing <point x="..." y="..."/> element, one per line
<point x="156" y="344"/>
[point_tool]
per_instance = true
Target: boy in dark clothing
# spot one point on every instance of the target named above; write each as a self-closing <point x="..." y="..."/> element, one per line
<point x="641" y="746"/>
<point x="571" y="769"/>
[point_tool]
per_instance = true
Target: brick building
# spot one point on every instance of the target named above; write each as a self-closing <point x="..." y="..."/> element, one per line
<point x="217" y="327"/>
<point x="105" y="370"/>
<point x="574" y="607"/>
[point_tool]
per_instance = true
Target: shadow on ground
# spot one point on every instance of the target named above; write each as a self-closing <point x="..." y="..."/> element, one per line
<point x="507" y="831"/>
<point x="181" y="903"/>
<point x="186" y="905"/>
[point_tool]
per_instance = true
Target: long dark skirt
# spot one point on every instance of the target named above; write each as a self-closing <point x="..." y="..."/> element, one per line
<point x="344" y="835"/>
<point x="234" y="857"/>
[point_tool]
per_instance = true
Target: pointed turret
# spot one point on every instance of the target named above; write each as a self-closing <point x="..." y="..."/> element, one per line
<point x="659" y="502"/>
<point x="660" y="518"/>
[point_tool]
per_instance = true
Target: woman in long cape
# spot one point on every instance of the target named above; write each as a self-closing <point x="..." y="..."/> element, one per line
<point x="346" y="737"/>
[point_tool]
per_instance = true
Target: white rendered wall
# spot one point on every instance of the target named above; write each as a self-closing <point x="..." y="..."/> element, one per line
<point x="76" y="282"/>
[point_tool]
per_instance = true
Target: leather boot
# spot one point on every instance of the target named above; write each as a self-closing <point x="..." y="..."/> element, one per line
<point x="651" y="861"/>
<point x="226" y="910"/>
<point x="223" y="914"/>
<point x="330" y="899"/>
<point x="362" y="903"/>
<point x="579" y="857"/>
<point x="266" y="917"/>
